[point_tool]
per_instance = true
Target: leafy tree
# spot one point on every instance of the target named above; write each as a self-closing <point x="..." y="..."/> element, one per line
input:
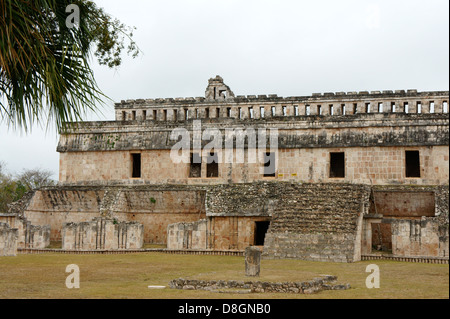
<point x="35" y="178"/>
<point x="45" y="75"/>
<point x="13" y="189"/>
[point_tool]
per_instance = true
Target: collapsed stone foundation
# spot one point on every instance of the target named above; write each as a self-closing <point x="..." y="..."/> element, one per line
<point x="307" y="287"/>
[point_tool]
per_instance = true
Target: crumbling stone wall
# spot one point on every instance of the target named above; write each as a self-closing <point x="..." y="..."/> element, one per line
<point x="306" y="287"/>
<point x="8" y="240"/>
<point x="154" y="206"/>
<point x="187" y="235"/>
<point x="29" y="236"/>
<point x="419" y="238"/>
<point x="102" y="234"/>
<point x="412" y="221"/>
<point x="319" y="222"/>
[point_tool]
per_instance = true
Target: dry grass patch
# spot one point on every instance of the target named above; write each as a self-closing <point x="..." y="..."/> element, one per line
<point x="128" y="276"/>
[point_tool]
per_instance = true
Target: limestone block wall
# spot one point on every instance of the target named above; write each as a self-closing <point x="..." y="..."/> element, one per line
<point x="187" y="235"/>
<point x="153" y="206"/>
<point x="8" y="240"/>
<point x="419" y="238"/>
<point x="104" y="234"/>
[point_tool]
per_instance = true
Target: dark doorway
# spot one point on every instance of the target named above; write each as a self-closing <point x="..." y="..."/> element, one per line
<point x="195" y="169"/>
<point x="412" y="164"/>
<point x="381" y="237"/>
<point x="269" y="164"/>
<point x="261" y="229"/>
<point x="212" y="165"/>
<point x="337" y="165"/>
<point x="136" y="165"/>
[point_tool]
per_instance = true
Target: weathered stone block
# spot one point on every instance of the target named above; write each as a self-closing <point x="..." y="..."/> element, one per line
<point x="252" y="261"/>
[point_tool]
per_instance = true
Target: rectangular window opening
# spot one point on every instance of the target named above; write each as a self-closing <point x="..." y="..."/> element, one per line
<point x="393" y="107"/>
<point x="337" y="165"/>
<point x="207" y="113"/>
<point x="133" y="115"/>
<point x="296" y="110"/>
<point x="228" y="111"/>
<point x="155" y="115"/>
<point x="251" y="113"/>
<point x="274" y="111"/>
<point x="431" y="107"/>
<point x="186" y="114"/>
<point x="308" y="110"/>
<point x="344" y="110"/>
<point x="165" y="115"/>
<point x="195" y="169"/>
<point x="380" y="108"/>
<point x="269" y="164"/>
<point x="419" y="107"/>
<point x="175" y="115"/>
<point x="136" y="163"/>
<point x="319" y="109"/>
<point x="124" y="116"/>
<point x="355" y="108"/>
<point x="406" y="107"/>
<point x="212" y="166"/>
<point x="368" y="106"/>
<point x="412" y="163"/>
<point x="445" y="107"/>
<point x="261" y="229"/>
<point x="261" y="109"/>
<point x="284" y="111"/>
<point x="144" y="115"/>
<point x="217" y="112"/>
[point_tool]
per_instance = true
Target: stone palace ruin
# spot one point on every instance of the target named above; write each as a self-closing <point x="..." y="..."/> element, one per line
<point x="350" y="173"/>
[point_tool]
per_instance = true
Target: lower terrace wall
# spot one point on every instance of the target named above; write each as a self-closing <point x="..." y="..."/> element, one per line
<point x="307" y="221"/>
<point x="155" y="207"/>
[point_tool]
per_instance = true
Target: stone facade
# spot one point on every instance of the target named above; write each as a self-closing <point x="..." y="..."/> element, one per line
<point x="349" y="171"/>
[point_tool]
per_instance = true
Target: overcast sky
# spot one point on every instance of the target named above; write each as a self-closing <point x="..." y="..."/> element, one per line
<point x="282" y="47"/>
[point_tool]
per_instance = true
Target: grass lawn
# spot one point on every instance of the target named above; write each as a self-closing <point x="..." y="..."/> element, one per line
<point x="128" y="276"/>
